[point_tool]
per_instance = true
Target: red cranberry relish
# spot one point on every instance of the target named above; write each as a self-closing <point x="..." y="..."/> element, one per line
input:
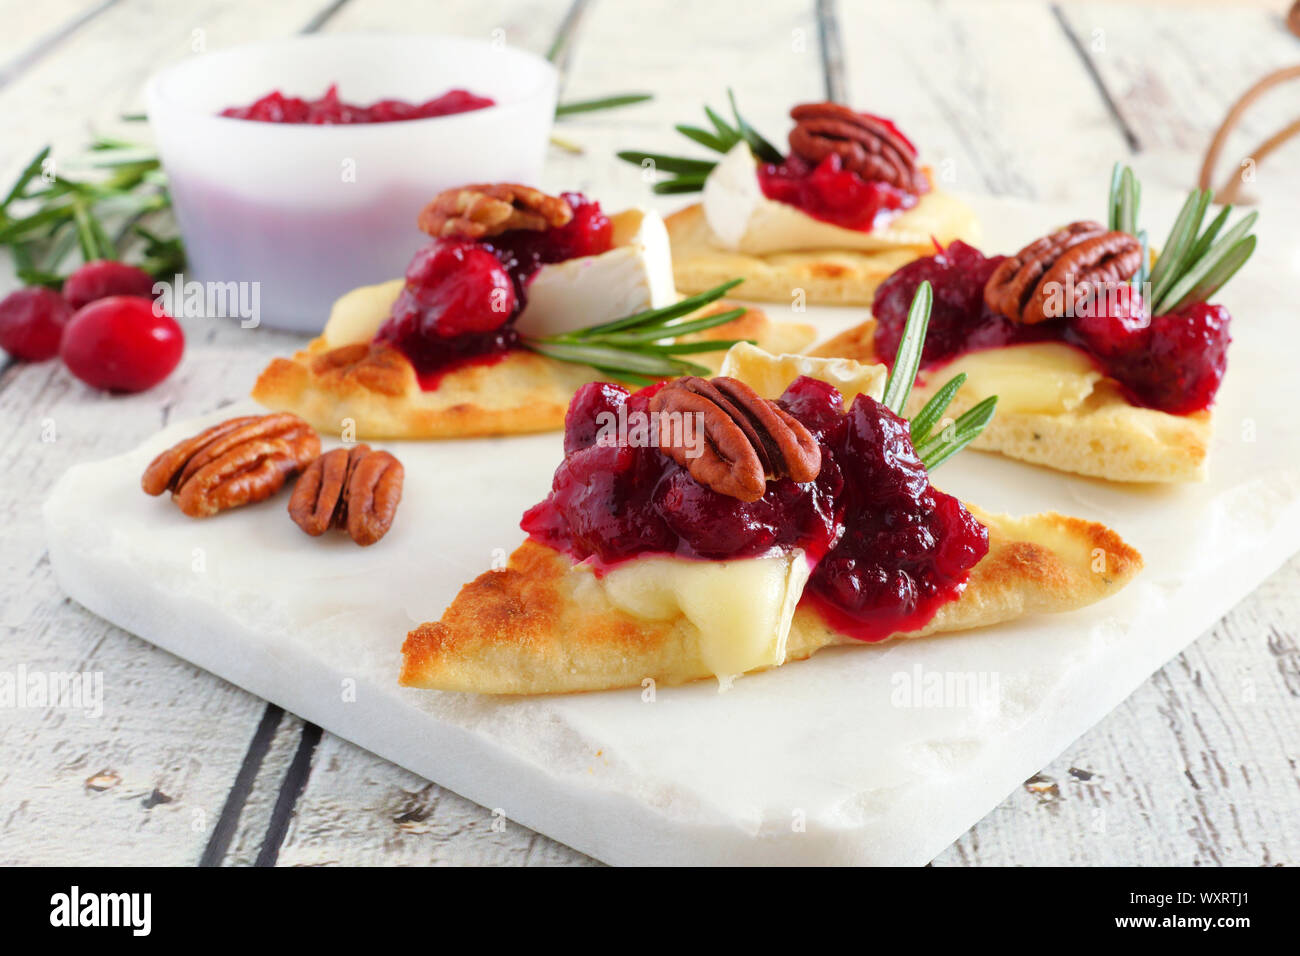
<point x="1173" y="362"/>
<point x="831" y="193"/>
<point x="890" y="548"/>
<point x="462" y="297"/>
<point x="329" y="110"/>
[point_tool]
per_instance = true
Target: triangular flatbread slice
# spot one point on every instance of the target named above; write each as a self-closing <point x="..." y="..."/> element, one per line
<point x="374" y="387"/>
<point x="1055" y="409"/>
<point x="545" y="624"/>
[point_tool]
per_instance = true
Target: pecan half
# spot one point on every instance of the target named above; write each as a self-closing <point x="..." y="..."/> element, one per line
<point x="235" y="463"/>
<point x="866" y="145"/>
<point x="489" y="209"/>
<point x="1030" y="286"/>
<point x="357" y="489"/>
<point x="747" y="439"/>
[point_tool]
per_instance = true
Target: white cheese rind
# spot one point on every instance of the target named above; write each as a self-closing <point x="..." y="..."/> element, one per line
<point x="742" y="608"/>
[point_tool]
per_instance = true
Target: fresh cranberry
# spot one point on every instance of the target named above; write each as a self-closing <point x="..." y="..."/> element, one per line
<point x="453" y="288"/>
<point x="1182" y="365"/>
<point x="593" y="407"/>
<point x="31" y="323"/>
<point x="831" y="193"/>
<point x="1112" y="324"/>
<point x="817" y="404"/>
<point x="105" y="277"/>
<point x="275" y="107"/>
<point x="122" y="344"/>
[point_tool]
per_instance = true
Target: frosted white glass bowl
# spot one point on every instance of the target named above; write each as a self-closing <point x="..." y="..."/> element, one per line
<point x="312" y="211"/>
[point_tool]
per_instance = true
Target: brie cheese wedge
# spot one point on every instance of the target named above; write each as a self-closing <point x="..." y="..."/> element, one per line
<point x="741" y="608"/>
<point x="634" y="275"/>
<point x="1045" y="378"/>
<point x="741" y="218"/>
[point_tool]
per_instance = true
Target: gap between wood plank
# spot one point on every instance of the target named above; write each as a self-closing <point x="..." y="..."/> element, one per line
<point x="291" y="788"/>
<point x="9" y="71"/>
<point x="832" y="49"/>
<point x="215" y="852"/>
<point x="1129" y="134"/>
<point x="562" y="46"/>
<point x="324" y="16"/>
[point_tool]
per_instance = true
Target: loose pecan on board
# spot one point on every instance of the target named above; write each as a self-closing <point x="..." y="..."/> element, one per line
<point x="357" y="489"/>
<point x="747" y="439"/>
<point x="1027" y="287"/>
<point x="866" y="145"/>
<point x="489" y="209"/>
<point x="235" y="463"/>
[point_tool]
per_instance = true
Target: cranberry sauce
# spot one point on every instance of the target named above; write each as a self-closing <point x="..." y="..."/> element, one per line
<point x="828" y="192"/>
<point x="1173" y="363"/>
<point x="461" y="297"/>
<point x="329" y="110"/>
<point x="893" y="547"/>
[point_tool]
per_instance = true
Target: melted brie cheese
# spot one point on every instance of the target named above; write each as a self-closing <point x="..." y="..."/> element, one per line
<point x="635" y="275"/>
<point x="769" y="375"/>
<point x="1043" y="378"/>
<point x="742" y="608"/>
<point x="743" y="219"/>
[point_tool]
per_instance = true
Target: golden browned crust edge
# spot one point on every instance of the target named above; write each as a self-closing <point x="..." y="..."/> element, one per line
<point x="541" y="625"/>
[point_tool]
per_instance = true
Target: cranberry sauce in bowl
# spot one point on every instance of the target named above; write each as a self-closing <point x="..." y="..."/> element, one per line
<point x="461" y="297"/>
<point x="329" y="110"/>
<point x="310" y="210"/>
<point x="1173" y="363"/>
<point x="850" y="169"/>
<point x="888" y="548"/>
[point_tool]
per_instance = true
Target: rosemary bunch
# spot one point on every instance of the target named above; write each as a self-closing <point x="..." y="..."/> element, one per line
<point x="688" y="174"/>
<point x="1194" y="263"/>
<point x="646" y="347"/>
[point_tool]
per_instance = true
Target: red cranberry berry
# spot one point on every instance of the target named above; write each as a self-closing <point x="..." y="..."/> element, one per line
<point x="104" y="277"/>
<point x="1182" y="366"/>
<point x="1113" y="324"/>
<point x="588" y="413"/>
<point x="31" y="323"/>
<point x="122" y="344"/>
<point x="453" y="288"/>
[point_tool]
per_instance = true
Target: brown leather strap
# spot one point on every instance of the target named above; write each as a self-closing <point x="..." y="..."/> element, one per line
<point x="1230" y="191"/>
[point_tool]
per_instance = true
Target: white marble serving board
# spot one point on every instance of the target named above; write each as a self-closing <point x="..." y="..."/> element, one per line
<point x="813" y="763"/>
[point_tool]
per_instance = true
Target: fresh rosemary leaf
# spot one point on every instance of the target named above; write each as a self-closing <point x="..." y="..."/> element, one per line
<point x="623" y="360"/>
<point x="30" y="171"/>
<point x="680" y="184"/>
<point x="703" y="137"/>
<point x="942" y="446"/>
<point x="761" y="147"/>
<point x="725" y="131"/>
<point x="668" y="312"/>
<point x="1202" y="244"/>
<point x="668" y="164"/>
<point x="1140" y="277"/>
<point x="1196" y="273"/>
<point x="908" y="360"/>
<point x="1224" y="268"/>
<point x="657" y="332"/>
<point x="1128" y="202"/>
<point x="604" y="103"/>
<point x="1112" y="206"/>
<point x="923" y="422"/>
<point x="1182" y="236"/>
<point x="692" y="348"/>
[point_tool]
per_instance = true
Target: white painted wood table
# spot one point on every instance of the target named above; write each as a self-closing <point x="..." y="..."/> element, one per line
<point x="1200" y="766"/>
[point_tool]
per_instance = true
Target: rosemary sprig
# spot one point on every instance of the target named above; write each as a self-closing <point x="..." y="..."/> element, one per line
<point x="1194" y="263"/>
<point x="688" y="173"/>
<point x="642" y="348"/>
<point x="604" y="103"/>
<point x="933" y="448"/>
<point x="44" y="219"/>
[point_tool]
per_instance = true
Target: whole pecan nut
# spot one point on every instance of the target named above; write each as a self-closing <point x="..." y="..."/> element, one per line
<point x="238" y="462"/>
<point x="866" y="145"/>
<point x="746" y="438"/>
<point x="489" y="209"/>
<point x="1031" y="286"/>
<point x="357" y="489"/>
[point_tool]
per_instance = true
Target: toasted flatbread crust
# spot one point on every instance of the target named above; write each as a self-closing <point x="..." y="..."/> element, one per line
<point x="523" y="392"/>
<point x="826" y="277"/>
<point x="543" y="625"/>
<point x="1103" y="437"/>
